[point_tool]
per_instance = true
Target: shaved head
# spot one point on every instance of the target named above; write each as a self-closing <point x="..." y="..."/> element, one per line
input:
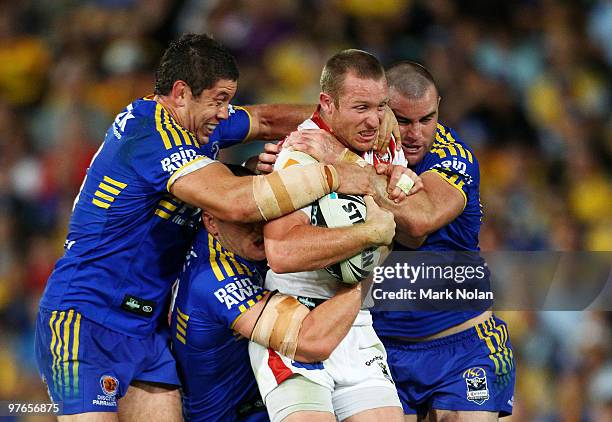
<point x="410" y="79"/>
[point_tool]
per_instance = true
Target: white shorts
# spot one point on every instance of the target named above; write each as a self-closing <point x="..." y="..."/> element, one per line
<point x="355" y="377"/>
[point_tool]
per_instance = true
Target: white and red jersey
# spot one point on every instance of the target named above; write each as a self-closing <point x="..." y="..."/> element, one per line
<point x="320" y="284"/>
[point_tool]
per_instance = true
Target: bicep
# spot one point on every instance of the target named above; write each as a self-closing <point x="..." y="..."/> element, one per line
<point x="245" y="322"/>
<point x="277" y="230"/>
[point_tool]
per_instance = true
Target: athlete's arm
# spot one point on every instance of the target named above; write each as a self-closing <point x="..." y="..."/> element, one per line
<point x="325" y="148"/>
<point x="243" y="199"/>
<point x="274" y="121"/>
<point x="293" y="244"/>
<point x="321" y="330"/>
<point x="435" y="206"/>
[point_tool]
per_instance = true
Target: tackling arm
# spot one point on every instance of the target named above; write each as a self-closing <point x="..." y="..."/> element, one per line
<point x="274" y="121"/>
<point x="315" y="334"/>
<point x="435" y="206"/>
<point x="250" y="199"/>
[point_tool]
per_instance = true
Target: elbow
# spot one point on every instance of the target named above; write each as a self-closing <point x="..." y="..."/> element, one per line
<point x="311" y="352"/>
<point x="419" y="228"/>
<point x="418" y="231"/>
<point x="279" y="260"/>
<point x="239" y="214"/>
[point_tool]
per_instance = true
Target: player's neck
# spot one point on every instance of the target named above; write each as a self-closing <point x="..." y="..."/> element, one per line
<point x="326" y="120"/>
<point x="166" y="104"/>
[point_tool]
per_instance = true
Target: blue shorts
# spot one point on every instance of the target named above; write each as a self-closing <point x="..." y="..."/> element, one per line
<point x="88" y="367"/>
<point x="473" y="370"/>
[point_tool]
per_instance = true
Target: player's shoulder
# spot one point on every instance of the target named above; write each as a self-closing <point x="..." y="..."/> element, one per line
<point x="138" y="115"/>
<point x="215" y="264"/>
<point x="448" y="145"/>
<point x="289" y="157"/>
<point x="237" y="115"/>
<point x="152" y="122"/>
<point x="235" y="112"/>
<point x="220" y="276"/>
<point x="308" y="124"/>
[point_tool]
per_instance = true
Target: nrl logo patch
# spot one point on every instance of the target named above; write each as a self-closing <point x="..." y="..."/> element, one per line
<point x="476" y="383"/>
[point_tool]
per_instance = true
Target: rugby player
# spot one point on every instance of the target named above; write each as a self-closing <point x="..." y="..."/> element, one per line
<point x="100" y="333"/>
<point x="448" y="366"/>
<point x="354" y="382"/>
<point x="221" y="297"/>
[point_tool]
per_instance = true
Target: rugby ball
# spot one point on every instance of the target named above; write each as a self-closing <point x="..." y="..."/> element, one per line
<point x="341" y="210"/>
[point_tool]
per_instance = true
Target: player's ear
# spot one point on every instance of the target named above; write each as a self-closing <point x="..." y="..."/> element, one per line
<point x="179" y="92"/>
<point x="209" y="223"/>
<point x="326" y="102"/>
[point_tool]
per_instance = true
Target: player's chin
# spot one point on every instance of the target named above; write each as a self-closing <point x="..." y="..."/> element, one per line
<point x="256" y="254"/>
<point x="257" y="250"/>
<point x="414" y="156"/>
<point x="364" y="143"/>
<point x="203" y="134"/>
<point x="203" y="138"/>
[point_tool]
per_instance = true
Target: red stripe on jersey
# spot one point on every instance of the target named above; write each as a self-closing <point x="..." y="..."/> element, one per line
<point x="316" y="118"/>
<point x="386" y="158"/>
<point x="279" y="369"/>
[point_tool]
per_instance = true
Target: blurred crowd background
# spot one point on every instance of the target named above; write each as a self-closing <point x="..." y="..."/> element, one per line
<point x="526" y="83"/>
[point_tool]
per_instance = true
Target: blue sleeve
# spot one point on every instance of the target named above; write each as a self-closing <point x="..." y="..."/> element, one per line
<point x="161" y="151"/>
<point x="231" y="131"/>
<point x="224" y="301"/>
<point x="453" y="161"/>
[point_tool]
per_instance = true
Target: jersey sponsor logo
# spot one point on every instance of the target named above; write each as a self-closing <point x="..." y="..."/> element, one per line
<point x="374" y="359"/>
<point x="177" y="160"/>
<point x="121" y="121"/>
<point x="385" y="371"/>
<point x="236" y="292"/>
<point x="310" y="302"/>
<point x="476" y="385"/>
<point x="68" y="244"/>
<point x="245" y="409"/>
<point x="455" y="166"/>
<point x="379" y="360"/>
<point x="178" y="212"/>
<point x="138" y="306"/>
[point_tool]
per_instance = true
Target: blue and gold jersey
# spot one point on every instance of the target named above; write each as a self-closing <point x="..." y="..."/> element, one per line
<point x="451" y="159"/>
<point x="215" y="288"/>
<point x="128" y="235"/>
